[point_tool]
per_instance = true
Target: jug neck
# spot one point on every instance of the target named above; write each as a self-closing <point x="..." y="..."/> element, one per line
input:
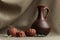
<point x="40" y="12"/>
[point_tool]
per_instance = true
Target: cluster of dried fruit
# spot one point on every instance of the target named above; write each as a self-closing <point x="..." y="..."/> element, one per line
<point x="19" y="33"/>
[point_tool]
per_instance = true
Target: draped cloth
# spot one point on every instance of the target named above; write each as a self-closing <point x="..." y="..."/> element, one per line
<point x="22" y="13"/>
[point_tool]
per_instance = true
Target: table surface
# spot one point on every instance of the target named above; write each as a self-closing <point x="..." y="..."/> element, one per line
<point x="51" y="36"/>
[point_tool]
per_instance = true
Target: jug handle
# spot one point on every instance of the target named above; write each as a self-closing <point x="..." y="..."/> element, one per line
<point x="46" y="8"/>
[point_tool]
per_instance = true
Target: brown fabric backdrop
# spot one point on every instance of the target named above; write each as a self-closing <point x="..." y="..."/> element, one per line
<point x="53" y="18"/>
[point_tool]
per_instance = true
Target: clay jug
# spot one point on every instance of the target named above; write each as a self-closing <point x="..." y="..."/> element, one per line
<point x="41" y="25"/>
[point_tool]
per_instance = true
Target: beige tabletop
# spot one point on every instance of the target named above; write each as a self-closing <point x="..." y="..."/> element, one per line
<point x="51" y="36"/>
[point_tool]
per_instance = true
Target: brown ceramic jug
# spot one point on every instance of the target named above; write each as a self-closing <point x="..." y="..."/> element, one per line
<point x="41" y="25"/>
